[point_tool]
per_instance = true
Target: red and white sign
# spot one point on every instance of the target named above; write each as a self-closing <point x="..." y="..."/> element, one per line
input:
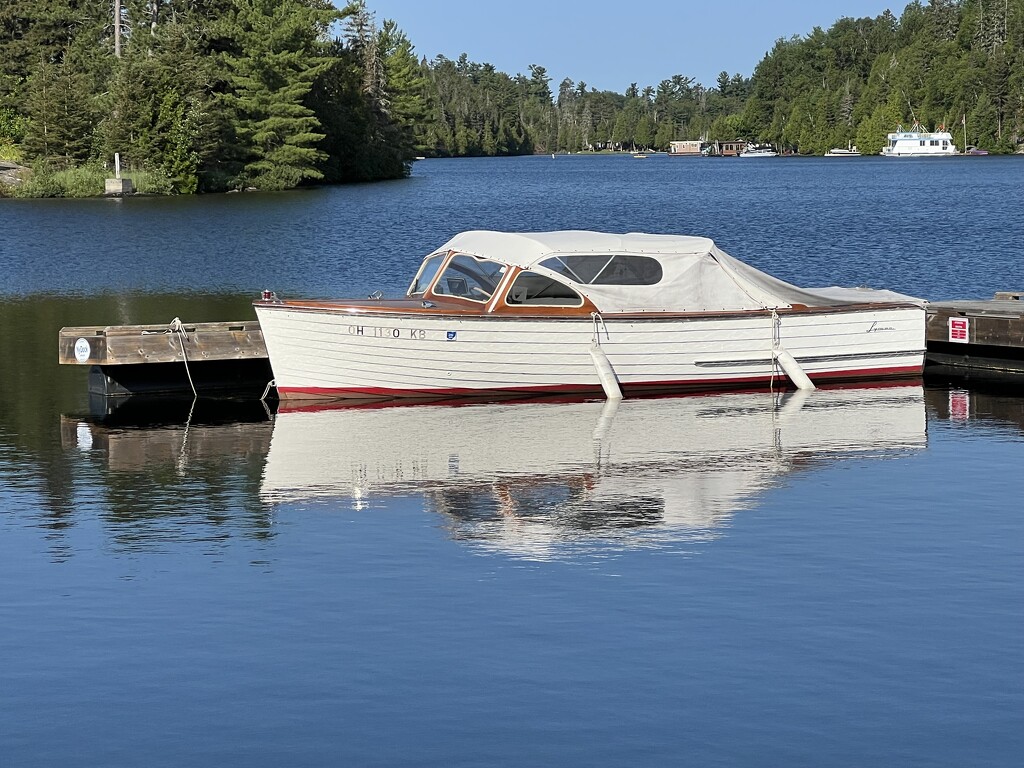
<point x="959" y="330"/>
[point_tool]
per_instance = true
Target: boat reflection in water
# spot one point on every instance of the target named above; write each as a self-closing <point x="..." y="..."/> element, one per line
<point x="545" y="480"/>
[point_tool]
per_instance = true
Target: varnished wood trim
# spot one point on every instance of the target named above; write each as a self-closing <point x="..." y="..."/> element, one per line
<point x="450" y="307"/>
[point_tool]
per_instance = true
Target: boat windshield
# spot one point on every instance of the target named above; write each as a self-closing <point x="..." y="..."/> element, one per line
<point x="470" y="278"/>
<point x="426" y="274"/>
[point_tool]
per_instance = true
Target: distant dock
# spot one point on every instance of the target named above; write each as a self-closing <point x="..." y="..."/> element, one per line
<point x="964" y="338"/>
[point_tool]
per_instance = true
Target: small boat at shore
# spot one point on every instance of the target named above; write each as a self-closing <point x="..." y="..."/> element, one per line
<point x="849" y="151"/>
<point x="499" y="314"/>
<point x="759" y="150"/>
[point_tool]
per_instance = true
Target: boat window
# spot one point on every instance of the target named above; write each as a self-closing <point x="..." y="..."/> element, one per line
<point x="426" y="274"/>
<point x="579" y="269"/>
<point x="539" y="290"/>
<point x="469" y="278"/>
<point x="601" y="270"/>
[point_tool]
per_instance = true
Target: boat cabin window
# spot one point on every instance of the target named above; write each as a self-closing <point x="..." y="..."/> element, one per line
<point x="468" y="277"/>
<point x="539" y="290"/>
<point x="620" y="269"/>
<point x="426" y="274"/>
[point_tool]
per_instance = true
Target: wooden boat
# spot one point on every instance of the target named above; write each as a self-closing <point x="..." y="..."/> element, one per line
<point x="498" y="314"/>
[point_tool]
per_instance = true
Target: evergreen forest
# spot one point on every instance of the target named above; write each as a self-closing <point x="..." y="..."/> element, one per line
<point x="214" y="95"/>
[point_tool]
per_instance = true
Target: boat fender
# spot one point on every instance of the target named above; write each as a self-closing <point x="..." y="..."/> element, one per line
<point x="792" y="368"/>
<point x="605" y="373"/>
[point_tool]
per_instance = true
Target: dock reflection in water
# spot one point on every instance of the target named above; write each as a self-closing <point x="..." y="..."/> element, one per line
<point x="543" y="480"/>
<point x="176" y="472"/>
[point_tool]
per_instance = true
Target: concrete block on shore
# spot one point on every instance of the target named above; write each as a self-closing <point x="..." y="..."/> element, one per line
<point x="119" y="187"/>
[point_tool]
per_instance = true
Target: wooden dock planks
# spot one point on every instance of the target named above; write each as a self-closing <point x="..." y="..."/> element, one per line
<point x="210" y="359"/>
<point x="140" y="344"/>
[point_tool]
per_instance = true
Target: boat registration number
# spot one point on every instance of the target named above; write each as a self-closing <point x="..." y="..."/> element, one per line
<point x="386" y="333"/>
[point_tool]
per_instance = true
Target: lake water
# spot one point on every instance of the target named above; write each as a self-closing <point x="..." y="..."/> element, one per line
<point x="727" y="580"/>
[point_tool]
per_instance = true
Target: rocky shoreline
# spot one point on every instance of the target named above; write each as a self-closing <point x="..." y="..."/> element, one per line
<point x="10" y="173"/>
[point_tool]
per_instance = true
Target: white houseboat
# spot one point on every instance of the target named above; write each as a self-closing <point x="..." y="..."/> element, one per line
<point x="499" y="314"/>
<point x="919" y="143"/>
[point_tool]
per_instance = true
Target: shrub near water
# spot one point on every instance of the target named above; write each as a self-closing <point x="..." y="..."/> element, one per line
<point x="86" y="181"/>
<point x="46" y="181"/>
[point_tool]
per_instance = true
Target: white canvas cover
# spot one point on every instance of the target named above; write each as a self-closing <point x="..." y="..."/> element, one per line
<point x="697" y="275"/>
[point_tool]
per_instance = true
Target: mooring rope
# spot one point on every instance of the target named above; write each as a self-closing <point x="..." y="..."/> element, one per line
<point x="598" y="325"/>
<point x="776" y="341"/>
<point x="179" y="329"/>
<point x="182" y="459"/>
<point x="270" y="385"/>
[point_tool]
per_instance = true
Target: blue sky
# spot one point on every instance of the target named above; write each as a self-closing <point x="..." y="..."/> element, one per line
<point x="610" y="45"/>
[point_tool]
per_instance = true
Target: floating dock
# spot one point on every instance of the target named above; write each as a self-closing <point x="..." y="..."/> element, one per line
<point x="977" y="336"/>
<point x="216" y="359"/>
<point x="964" y="338"/>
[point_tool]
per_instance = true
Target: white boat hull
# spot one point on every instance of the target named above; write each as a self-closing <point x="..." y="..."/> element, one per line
<point x="333" y="354"/>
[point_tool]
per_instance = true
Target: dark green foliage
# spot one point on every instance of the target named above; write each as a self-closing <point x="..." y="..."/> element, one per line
<point x="935" y="65"/>
<point x="207" y="94"/>
<point x="278" y="61"/>
<point x="219" y="94"/>
<point x="939" y="62"/>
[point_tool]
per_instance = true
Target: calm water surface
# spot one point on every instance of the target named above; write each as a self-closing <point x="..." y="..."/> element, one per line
<point x="735" y="580"/>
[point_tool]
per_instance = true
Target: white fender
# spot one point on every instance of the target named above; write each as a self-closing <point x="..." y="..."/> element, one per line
<point x="605" y="374"/>
<point x="792" y="368"/>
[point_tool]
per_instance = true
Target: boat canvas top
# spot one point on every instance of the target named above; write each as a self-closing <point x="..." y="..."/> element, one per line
<point x="693" y="275"/>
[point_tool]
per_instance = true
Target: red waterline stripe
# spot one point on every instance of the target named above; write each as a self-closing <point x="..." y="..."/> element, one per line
<point x="684" y="384"/>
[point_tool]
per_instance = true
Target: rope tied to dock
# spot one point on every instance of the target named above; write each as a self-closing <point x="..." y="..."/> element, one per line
<point x="177" y="328"/>
<point x="270" y="385"/>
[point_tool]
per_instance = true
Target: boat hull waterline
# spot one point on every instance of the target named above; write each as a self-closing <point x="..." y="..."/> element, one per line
<point x="323" y="351"/>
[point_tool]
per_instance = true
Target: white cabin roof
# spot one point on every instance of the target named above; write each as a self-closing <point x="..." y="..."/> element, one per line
<point x="524" y="249"/>
<point x="697" y="276"/>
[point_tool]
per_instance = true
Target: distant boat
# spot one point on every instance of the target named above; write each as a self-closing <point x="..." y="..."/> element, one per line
<point x="919" y="143"/>
<point x="759" y="150"/>
<point x="850" y="151"/>
<point x="640" y="155"/>
<point x="975" y="151"/>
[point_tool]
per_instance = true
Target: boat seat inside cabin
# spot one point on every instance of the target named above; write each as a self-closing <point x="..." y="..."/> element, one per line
<point x="532" y="289"/>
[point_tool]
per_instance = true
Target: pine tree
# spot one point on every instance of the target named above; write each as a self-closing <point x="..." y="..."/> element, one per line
<point x="280" y="56"/>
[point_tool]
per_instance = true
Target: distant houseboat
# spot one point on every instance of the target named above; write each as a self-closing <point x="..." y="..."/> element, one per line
<point x="919" y="143"/>
<point x="687" y="148"/>
<point x="730" y="148"/>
